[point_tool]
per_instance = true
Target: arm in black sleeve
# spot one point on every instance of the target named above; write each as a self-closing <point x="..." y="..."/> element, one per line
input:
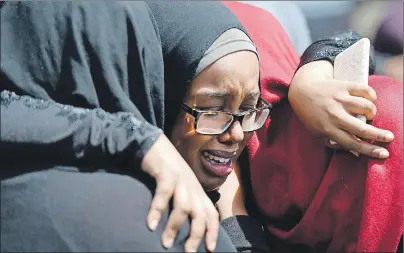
<point x="246" y="234"/>
<point x="329" y="48"/>
<point x="37" y="129"/>
<point x="83" y="54"/>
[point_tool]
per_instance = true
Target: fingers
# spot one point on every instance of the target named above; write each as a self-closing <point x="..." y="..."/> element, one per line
<point x="350" y="142"/>
<point x="212" y="228"/>
<point x="198" y="228"/>
<point x="204" y="220"/>
<point x="358" y="105"/>
<point x="178" y="216"/>
<point x="362" y="130"/>
<point x="159" y="204"/>
<point x="361" y="90"/>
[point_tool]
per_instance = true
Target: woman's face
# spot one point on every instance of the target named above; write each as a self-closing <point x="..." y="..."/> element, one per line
<point x="230" y="84"/>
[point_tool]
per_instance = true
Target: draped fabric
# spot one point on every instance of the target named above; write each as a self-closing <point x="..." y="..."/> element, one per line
<point x="310" y="198"/>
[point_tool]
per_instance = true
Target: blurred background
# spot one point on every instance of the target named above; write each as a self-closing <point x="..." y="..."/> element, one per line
<point x="380" y="21"/>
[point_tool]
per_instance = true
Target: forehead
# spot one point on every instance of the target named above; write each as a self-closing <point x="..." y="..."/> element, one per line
<point x="236" y="74"/>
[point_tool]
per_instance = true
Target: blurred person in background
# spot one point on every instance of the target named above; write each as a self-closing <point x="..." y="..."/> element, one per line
<point x="292" y="20"/>
<point x="326" y="18"/>
<point x="382" y="23"/>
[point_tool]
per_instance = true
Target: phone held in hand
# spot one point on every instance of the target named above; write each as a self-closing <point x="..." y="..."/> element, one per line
<point x="352" y="65"/>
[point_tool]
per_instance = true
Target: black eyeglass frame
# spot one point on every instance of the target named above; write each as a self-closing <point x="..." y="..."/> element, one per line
<point x="196" y="113"/>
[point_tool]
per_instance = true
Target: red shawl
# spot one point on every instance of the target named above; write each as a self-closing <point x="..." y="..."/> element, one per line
<point x="314" y="200"/>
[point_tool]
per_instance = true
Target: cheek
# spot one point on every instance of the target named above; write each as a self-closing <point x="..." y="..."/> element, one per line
<point x="190" y="147"/>
<point x="192" y="144"/>
<point x="183" y="126"/>
<point x="247" y="137"/>
<point x="186" y="139"/>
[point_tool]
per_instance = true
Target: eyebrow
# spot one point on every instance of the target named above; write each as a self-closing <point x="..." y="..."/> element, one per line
<point x="214" y="94"/>
<point x="224" y="94"/>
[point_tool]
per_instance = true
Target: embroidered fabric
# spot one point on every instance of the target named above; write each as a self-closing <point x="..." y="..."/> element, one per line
<point x="329" y="48"/>
<point x="91" y="133"/>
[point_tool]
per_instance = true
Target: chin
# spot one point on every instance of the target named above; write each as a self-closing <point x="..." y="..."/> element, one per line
<point x="213" y="184"/>
<point x="209" y="181"/>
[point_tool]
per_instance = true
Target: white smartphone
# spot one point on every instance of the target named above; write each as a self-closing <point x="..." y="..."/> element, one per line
<point x="352" y="65"/>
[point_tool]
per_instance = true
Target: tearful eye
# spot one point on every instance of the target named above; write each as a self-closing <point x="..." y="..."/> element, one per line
<point x="210" y="115"/>
<point x="214" y="109"/>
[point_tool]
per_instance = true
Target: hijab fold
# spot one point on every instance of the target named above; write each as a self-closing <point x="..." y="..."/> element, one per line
<point x="187" y="30"/>
<point x="136" y="57"/>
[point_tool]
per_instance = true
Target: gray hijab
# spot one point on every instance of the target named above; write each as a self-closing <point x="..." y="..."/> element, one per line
<point x="231" y="41"/>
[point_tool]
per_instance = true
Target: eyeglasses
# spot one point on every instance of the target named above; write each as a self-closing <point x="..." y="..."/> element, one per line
<point x="218" y="122"/>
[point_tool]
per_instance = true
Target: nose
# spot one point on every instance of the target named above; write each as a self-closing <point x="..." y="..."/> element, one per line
<point x="234" y="134"/>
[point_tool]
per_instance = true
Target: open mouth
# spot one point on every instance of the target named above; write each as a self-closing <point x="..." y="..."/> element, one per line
<point x="216" y="159"/>
<point x="217" y="163"/>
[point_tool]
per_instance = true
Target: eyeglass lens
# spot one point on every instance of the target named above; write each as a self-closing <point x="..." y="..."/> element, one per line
<point x="217" y="123"/>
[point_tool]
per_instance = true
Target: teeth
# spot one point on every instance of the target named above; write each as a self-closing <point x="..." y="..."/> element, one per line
<point x="216" y="158"/>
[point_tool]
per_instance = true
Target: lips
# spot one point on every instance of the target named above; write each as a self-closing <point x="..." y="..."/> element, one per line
<point x="218" y="163"/>
<point x="219" y="153"/>
<point x="216" y="159"/>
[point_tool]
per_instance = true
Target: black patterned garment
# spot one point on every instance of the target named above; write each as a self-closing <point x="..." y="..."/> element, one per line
<point x="60" y="63"/>
<point x="88" y="55"/>
<point x="328" y="48"/>
<point x="37" y="129"/>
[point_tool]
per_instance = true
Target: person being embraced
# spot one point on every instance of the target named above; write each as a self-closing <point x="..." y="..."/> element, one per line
<point x="309" y="197"/>
<point x="198" y="81"/>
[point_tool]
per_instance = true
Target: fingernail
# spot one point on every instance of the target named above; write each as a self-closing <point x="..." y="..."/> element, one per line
<point x="191" y="250"/>
<point x="168" y="243"/>
<point x="153" y="225"/>
<point x="384" y="153"/>
<point x="389" y="136"/>
<point x="354" y="153"/>
<point x="381" y="153"/>
<point x="332" y="142"/>
<point x="212" y="246"/>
